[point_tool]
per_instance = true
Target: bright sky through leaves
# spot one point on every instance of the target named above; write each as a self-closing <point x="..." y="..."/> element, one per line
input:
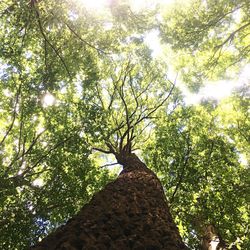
<point x="95" y="5"/>
<point x="48" y="100"/>
<point x="136" y="5"/>
<point x="216" y="90"/>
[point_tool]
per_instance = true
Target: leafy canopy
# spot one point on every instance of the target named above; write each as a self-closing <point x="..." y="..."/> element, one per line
<point x="73" y="80"/>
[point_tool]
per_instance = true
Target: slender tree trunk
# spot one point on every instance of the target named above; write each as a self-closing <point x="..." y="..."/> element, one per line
<point x="129" y="213"/>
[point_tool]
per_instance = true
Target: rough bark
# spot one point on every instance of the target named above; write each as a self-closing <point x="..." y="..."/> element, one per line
<point x="129" y="213"/>
<point x="212" y="240"/>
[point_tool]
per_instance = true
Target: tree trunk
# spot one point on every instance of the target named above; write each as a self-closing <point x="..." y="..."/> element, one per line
<point x="212" y="240"/>
<point x="129" y="213"/>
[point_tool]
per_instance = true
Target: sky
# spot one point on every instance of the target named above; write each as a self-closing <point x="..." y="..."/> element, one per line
<point x="217" y="90"/>
<point x="136" y="5"/>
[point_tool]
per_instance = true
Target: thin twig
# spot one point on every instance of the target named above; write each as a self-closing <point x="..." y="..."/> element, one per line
<point x="231" y="36"/>
<point x="109" y="164"/>
<point x="102" y="150"/>
<point x="82" y="40"/>
<point x="181" y="176"/>
<point x="46" y="154"/>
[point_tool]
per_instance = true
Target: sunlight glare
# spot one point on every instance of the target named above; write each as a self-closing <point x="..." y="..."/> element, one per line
<point x="136" y="6"/>
<point x="95" y="4"/>
<point x="38" y="182"/>
<point x="243" y="159"/>
<point x="48" y="100"/>
<point x="153" y="42"/>
<point x="216" y="90"/>
<point x="139" y="5"/>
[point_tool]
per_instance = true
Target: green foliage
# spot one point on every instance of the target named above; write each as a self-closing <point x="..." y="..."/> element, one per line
<point x="200" y="168"/>
<point x="72" y="80"/>
<point x="211" y="38"/>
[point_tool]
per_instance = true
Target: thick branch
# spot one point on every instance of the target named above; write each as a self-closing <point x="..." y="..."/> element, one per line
<point x="102" y="150"/>
<point x="231" y="36"/>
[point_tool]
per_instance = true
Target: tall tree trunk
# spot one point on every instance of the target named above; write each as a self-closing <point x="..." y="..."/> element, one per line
<point x="129" y="213"/>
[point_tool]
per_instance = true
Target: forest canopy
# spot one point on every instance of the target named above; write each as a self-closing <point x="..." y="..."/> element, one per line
<point x="76" y="79"/>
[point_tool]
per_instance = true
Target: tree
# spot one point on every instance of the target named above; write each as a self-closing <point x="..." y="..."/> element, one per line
<point x="130" y="213"/>
<point x="128" y="108"/>
<point x="73" y="81"/>
<point x="46" y="172"/>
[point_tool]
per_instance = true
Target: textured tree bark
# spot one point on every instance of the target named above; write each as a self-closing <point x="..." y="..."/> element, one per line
<point x="129" y="213"/>
<point x="212" y="240"/>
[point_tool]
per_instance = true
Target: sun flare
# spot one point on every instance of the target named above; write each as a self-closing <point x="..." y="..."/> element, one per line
<point x="48" y="100"/>
<point x="95" y="4"/>
<point x="136" y="5"/>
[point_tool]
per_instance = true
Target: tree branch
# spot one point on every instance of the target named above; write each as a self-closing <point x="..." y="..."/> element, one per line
<point x="50" y="44"/>
<point x="102" y="150"/>
<point x="231" y="36"/>
<point x="46" y="154"/>
<point x="14" y="115"/>
<point x="109" y="164"/>
<point x="181" y="176"/>
<point x="82" y="40"/>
